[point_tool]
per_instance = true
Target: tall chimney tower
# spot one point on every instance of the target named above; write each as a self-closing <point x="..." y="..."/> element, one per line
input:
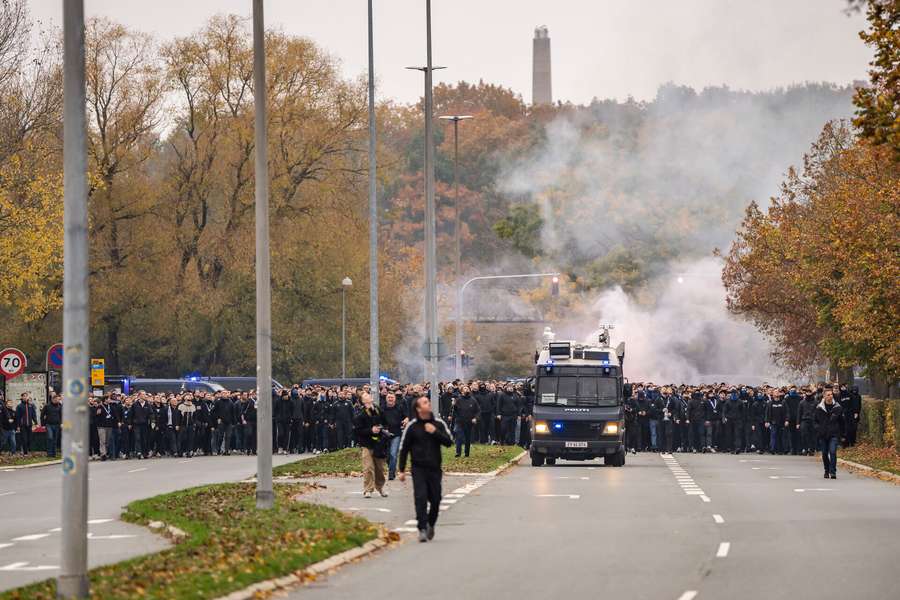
<point x="541" y="89"/>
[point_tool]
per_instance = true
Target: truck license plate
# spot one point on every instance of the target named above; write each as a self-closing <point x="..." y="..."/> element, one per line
<point x="576" y="444"/>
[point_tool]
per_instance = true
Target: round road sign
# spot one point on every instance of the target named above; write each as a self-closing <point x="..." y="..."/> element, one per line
<point x="55" y="357"/>
<point x="12" y="362"/>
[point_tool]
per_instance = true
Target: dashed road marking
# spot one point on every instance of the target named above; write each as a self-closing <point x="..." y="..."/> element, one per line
<point x="7" y="545"/>
<point x="384" y="510"/>
<point x="722" y="552"/>
<point x="705" y="498"/>
<point x="6" y="493"/>
<point x="138" y="470"/>
<point x="406" y="529"/>
<point x="411" y="522"/>
<point x="718" y="519"/>
<point x="23" y="566"/>
<point x="688" y="595"/>
<point x="569" y="496"/>
<point x="112" y="536"/>
<point x="31" y="538"/>
<point x="802" y="490"/>
<point x="98" y="521"/>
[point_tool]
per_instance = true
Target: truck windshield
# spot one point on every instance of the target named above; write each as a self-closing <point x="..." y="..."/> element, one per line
<point x="577" y="391"/>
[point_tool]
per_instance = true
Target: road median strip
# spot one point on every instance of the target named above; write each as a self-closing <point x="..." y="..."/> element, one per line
<point x="223" y="545"/>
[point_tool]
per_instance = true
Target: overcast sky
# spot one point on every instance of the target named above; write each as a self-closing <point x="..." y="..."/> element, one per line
<point x="602" y="48"/>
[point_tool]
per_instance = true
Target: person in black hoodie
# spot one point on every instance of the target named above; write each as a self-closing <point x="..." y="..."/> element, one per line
<point x="8" y="427"/>
<point x="486" y="404"/>
<point x="697" y="419"/>
<point x="733" y="422"/>
<point x="51" y="419"/>
<point x="465" y="411"/>
<point x="221" y="424"/>
<point x="283" y="412"/>
<point x="139" y="424"/>
<point x="829" y="427"/>
<point x="806" y="417"/>
<point x="297" y="443"/>
<point x="395" y="420"/>
<point x="422" y="440"/>
<point x="777" y="422"/>
<point x="852" y="406"/>
<point x="507" y="413"/>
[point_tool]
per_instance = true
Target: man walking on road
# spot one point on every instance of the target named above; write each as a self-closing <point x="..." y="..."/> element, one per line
<point x="422" y="440"/>
<point x="830" y="426"/>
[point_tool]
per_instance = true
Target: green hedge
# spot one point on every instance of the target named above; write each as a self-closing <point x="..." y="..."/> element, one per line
<point x="880" y="422"/>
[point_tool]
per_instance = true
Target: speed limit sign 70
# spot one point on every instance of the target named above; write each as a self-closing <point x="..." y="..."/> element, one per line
<point x="12" y="362"/>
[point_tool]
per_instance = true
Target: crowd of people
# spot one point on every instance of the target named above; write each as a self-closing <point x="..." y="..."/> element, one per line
<point x="667" y="418"/>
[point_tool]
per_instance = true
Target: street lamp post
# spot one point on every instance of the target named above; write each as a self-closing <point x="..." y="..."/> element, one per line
<point x="265" y="495"/>
<point x="431" y="343"/>
<point x="459" y="306"/>
<point x="346" y="284"/>
<point x="374" y="348"/>
<point x="73" y="581"/>
<point x="455" y="119"/>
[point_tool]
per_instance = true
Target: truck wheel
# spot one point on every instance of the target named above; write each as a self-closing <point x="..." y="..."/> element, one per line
<point x="620" y="458"/>
<point x="537" y="460"/>
<point x="551" y="461"/>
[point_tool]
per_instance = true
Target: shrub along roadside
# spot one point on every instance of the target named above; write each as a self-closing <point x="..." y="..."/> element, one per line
<point x="15" y="460"/>
<point x="879" y="424"/>
<point x="348" y="462"/>
<point x="229" y="545"/>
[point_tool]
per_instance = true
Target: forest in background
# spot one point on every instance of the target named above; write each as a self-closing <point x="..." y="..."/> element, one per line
<point x="614" y="194"/>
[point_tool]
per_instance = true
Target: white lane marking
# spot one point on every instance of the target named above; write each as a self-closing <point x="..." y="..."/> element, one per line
<point x="8" y="470"/>
<point x="756" y="468"/>
<point x="181" y="462"/>
<point x="453" y="495"/>
<point x="722" y="552"/>
<point x="444" y="507"/>
<point x="30" y="538"/>
<point x="138" y="470"/>
<point x="55" y="530"/>
<point x="22" y="566"/>
<point x="801" y="490"/>
<point x="786" y="477"/>
<point x="406" y="529"/>
<point x="694" y="492"/>
<point x="6" y="545"/>
<point x="705" y="498"/>
<point x="7" y="493"/>
<point x="749" y="460"/>
<point x="460" y="491"/>
<point x="99" y="521"/>
<point x="569" y="496"/>
<point x="449" y="500"/>
<point x="384" y="510"/>
<point x="112" y="536"/>
<point x="688" y="595"/>
<point x="411" y="522"/>
<point x="718" y="519"/>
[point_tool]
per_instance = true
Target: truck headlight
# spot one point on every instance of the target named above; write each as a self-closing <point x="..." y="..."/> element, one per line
<point x="611" y="428"/>
<point x="541" y="427"/>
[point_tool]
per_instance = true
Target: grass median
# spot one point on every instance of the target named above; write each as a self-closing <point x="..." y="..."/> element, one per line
<point x="229" y="545"/>
<point x="348" y="463"/>
<point x="881" y="459"/>
<point x="17" y="460"/>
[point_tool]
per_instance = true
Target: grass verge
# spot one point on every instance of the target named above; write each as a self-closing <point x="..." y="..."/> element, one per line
<point x="882" y="459"/>
<point x="229" y="545"/>
<point x="18" y="459"/>
<point x="347" y="462"/>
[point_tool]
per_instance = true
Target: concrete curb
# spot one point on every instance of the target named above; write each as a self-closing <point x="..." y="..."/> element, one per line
<point x="311" y="571"/>
<point x="869" y="471"/>
<point x="32" y="465"/>
<point x="495" y="472"/>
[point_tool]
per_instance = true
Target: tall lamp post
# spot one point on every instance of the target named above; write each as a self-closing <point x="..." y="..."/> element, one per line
<point x="73" y="581"/>
<point x="432" y="343"/>
<point x="346" y="284"/>
<point x="455" y="119"/>
<point x="265" y="496"/>
<point x="374" y="348"/>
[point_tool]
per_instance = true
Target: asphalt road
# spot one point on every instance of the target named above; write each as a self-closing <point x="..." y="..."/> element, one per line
<point x="31" y="499"/>
<point x="681" y="528"/>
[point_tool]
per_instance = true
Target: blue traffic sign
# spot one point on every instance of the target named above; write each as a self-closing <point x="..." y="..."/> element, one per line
<point x="55" y="358"/>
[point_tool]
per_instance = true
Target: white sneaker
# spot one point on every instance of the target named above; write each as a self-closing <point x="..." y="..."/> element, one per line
<point x="367" y="494"/>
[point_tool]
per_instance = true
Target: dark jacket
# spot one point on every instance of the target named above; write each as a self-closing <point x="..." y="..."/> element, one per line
<point x="487" y="401"/>
<point x="466" y="408"/>
<point x="507" y="406"/>
<point x="363" y="422"/>
<point x="776" y="411"/>
<point x="140" y="414"/>
<point x="222" y="412"/>
<point x="806" y="412"/>
<point x="422" y="447"/>
<point x="733" y="409"/>
<point x="51" y="414"/>
<point x="26" y="419"/>
<point x="697" y="409"/>
<point x="393" y="418"/>
<point x="7" y="418"/>
<point x="283" y="410"/>
<point x="829" y="421"/>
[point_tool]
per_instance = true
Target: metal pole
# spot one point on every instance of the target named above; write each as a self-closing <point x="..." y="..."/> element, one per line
<point x="374" y="349"/>
<point x="265" y="496"/>
<point x="430" y="246"/>
<point x="458" y="251"/>
<point x="343" y="332"/>
<point x="73" y="581"/>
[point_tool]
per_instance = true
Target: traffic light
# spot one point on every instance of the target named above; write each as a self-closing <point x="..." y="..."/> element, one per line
<point x="554" y="287"/>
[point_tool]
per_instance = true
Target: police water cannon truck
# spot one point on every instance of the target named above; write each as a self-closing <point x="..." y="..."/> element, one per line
<point x="579" y="398"/>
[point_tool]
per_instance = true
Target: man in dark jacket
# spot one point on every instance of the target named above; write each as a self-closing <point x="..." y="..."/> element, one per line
<point x="283" y="413"/>
<point x="792" y="403"/>
<point x="465" y="413"/>
<point x="222" y="423"/>
<point x="806" y="417"/>
<point x="8" y="426"/>
<point x="777" y="422"/>
<point x="733" y="422"/>
<point x="26" y="419"/>
<point x="487" y="407"/>
<point x="757" y="419"/>
<point x="852" y="406"/>
<point x="51" y="419"/>
<point x="422" y="440"/>
<point x="697" y="418"/>
<point x="507" y="412"/>
<point x="371" y="434"/>
<point x="297" y="420"/>
<point x="829" y="427"/>
<point x="395" y="420"/>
